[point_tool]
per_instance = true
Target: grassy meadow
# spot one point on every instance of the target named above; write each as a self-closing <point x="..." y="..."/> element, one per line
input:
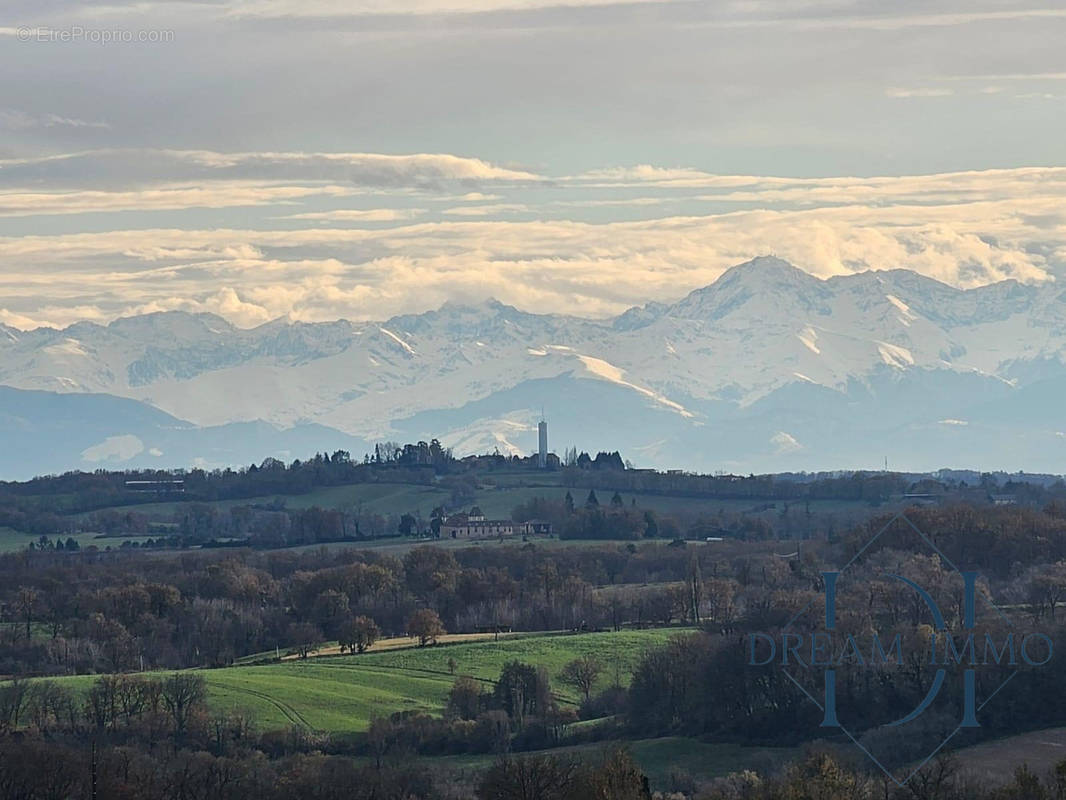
<point x="341" y="694"/>
<point x="12" y="541"/>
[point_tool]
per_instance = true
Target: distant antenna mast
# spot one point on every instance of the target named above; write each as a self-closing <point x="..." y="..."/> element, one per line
<point x="542" y="441"/>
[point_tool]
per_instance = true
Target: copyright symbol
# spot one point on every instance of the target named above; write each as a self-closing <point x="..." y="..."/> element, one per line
<point x="24" y="34"/>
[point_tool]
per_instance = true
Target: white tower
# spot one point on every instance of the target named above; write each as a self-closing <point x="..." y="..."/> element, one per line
<point x="542" y="451"/>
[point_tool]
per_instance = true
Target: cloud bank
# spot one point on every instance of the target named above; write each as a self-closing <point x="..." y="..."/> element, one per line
<point x="381" y="235"/>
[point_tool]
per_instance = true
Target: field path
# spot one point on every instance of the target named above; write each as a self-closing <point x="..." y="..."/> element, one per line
<point x="290" y="713"/>
<point x="431" y="673"/>
<point x="409" y="643"/>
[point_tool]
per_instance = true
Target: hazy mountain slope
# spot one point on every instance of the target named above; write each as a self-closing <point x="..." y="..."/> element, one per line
<point x="48" y="432"/>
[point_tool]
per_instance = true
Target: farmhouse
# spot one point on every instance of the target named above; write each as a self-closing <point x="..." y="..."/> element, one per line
<point x="1003" y="499"/>
<point x="474" y="525"/>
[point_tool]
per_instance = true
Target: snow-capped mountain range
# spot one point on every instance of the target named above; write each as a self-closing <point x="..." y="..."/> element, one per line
<point x="768" y="368"/>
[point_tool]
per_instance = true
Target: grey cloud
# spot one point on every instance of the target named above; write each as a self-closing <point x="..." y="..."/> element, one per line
<point x="140" y="167"/>
<point x="247" y="119"/>
<point x="16" y="120"/>
<point x="791" y="88"/>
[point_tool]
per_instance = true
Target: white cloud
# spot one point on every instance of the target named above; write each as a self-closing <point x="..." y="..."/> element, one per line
<point x="20" y="321"/>
<point x="921" y="91"/>
<point x="136" y="167"/>
<point x="15" y="120"/>
<point x="619" y="202"/>
<point x="966" y="229"/>
<point x="114" y="448"/>
<point x="227" y="303"/>
<point x="646" y="173"/>
<point x="785" y="443"/>
<point x="368" y="167"/>
<point x="1009" y="76"/>
<point x="217" y="194"/>
<point x="486" y="211"/>
<point x="360" y="215"/>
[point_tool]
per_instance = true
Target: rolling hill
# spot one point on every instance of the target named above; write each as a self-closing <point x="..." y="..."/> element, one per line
<point x="341" y="694"/>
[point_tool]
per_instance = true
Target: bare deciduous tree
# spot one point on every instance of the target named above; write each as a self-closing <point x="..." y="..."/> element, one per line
<point x="582" y="673"/>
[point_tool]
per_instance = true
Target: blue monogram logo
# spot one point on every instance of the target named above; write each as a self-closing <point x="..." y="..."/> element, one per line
<point x="965" y="650"/>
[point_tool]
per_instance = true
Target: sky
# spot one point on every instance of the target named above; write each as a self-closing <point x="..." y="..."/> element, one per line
<point x="324" y="159"/>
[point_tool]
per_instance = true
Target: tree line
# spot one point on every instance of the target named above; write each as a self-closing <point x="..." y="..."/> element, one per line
<point x="76" y="613"/>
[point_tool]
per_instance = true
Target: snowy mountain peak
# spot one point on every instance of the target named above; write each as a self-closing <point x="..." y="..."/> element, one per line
<point x="766" y="274"/>
<point x="763" y="287"/>
<point x="764" y="267"/>
<point x="488" y="305"/>
<point x="181" y="324"/>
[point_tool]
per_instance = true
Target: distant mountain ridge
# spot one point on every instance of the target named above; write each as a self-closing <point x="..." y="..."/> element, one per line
<point x="768" y="368"/>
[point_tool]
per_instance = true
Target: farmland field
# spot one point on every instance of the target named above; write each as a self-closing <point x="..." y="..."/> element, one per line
<point x="341" y="694"/>
<point x="373" y="497"/>
<point x="12" y="541"/>
<point x="497" y="496"/>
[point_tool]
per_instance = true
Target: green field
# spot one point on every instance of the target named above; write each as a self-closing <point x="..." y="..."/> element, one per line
<point x="498" y="495"/>
<point x="341" y="694"/>
<point x="496" y="499"/>
<point x="323" y="696"/>
<point x="378" y="498"/>
<point x="12" y="541"/>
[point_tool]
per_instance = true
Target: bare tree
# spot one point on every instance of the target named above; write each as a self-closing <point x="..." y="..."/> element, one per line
<point x="26" y="603"/>
<point x="183" y="695"/>
<point x="582" y="673"/>
<point x="305" y="637"/>
<point x="358" y="633"/>
<point x="13" y="696"/>
<point x="425" y="625"/>
<point x="528" y="778"/>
